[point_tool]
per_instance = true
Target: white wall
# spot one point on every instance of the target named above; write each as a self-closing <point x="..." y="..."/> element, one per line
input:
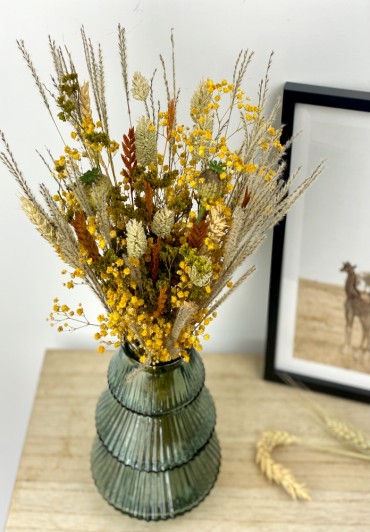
<point x="322" y="42"/>
<point x="331" y="223"/>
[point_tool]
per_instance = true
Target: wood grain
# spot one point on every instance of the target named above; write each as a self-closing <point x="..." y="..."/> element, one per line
<point x="54" y="490"/>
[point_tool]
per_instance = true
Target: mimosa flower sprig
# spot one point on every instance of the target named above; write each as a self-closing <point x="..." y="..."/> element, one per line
<point x="159" y="223"/>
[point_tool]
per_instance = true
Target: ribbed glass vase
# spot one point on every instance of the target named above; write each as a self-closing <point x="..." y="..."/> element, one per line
<point x="156" y="453"/>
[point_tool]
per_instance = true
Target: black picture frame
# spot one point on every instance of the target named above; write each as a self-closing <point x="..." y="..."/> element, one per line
<point x="341" y="106"/>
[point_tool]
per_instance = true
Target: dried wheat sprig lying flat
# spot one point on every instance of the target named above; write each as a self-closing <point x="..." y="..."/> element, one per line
<point x="344" y="432"/>
<point x="279" y="474"/>
<point x="274" y="471"/>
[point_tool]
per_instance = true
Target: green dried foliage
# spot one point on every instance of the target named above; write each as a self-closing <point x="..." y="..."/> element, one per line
<point x="90" y="176"/>
<point x="217" y="166"/>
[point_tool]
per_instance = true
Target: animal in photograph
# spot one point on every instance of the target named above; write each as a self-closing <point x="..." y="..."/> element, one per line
<point x="333" y="321"/>
<point x="357" y="305"/>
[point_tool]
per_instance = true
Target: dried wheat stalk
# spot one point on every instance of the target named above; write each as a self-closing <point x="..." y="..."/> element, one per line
<point x="345" y="433"/>
<point x="85" y="104"/>
<point x="124" y="66"/>
<point x="43" y="225"/>
<point x="337" y="427"/>
<point x="274" y="471"/>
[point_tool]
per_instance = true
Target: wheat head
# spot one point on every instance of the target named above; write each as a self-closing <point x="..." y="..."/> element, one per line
<point x="343" y="432"/>
<point x="274" y="471"/>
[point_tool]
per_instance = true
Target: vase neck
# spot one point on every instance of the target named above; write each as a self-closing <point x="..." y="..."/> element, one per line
<point x="153" y="390"/>
<point x="133" y="353"/>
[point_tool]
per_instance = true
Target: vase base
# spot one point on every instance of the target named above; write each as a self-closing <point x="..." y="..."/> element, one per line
<point x="151" y="495"/>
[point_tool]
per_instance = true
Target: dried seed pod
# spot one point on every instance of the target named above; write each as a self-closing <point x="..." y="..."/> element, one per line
<point x="97" y="189"/>
<point x="210" y="186"/>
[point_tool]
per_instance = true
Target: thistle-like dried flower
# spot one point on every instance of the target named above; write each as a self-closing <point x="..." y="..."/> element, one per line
<point x="140" y="87"/>
<point x="201" y="271"/>
<point x="218" y="225"/>
<point x="136" y="239"/>
<point x="97" y="190"/>
<point x="163" y="221"/>
<point x="210" y="185"/>
<point x="145" y="140"/>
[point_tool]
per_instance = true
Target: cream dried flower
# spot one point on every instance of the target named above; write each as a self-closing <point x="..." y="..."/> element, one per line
<point x="140" y="87"/>
<point x="39" y="220"/>
<point x="201" y="271"/>
<point x="85" y="104"/>
<point x="218" y="224"/>
<point x="199" y="103"/>
<point x="202" y="116"/>
<point x="145" y="141"/>
<point x="163" y="221"/>
<point x="136" y="239"/>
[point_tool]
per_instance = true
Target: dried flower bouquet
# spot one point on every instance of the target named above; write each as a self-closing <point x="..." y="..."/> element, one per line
<point x="159" y="223"/>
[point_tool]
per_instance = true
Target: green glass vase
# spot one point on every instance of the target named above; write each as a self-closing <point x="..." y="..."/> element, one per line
<point x="156" y="453"/>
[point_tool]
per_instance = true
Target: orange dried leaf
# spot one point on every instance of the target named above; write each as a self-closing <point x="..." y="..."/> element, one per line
<point x="246" y="199"/>
<point x="170" y="118"/>
<point x="198" y="234"/>
<point x="129" y="150"/>
<point x="162" y="298"/>
<point x="85" y="239"/>
<point x="154" y="263"/>
<point x="149" y="199"/>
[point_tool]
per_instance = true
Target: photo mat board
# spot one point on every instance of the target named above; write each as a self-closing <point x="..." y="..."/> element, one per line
<point x="319" y="303"/>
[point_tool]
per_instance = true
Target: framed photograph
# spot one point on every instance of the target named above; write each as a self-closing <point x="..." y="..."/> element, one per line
<point x="319" y="306"/>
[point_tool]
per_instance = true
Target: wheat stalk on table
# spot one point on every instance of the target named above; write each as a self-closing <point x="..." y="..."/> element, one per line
<point x="274" y="471"/>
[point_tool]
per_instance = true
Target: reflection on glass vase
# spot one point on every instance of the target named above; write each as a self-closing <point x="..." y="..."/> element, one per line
<point x="156" y="453"/>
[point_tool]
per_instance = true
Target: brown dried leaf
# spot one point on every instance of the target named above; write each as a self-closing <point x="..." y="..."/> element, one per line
<point x="198" y="234"/>
<point x="149" y="199"/>
<point x="246" y="199"/>
<point x="162" y="298"/>
<point x="85" y="239"/>
<point x="170" y="118"/>
<point x="154" y="263"/>
<point x="129" y="150"/>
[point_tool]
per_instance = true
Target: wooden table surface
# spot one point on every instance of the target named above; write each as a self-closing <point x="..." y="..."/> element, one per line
<point x="54" y="490"/>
